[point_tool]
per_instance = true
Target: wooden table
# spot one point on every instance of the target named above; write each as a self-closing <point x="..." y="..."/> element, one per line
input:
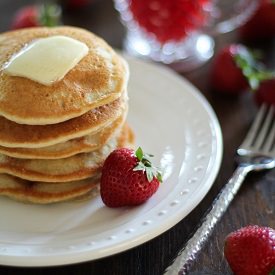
<point x="254" y="204"/>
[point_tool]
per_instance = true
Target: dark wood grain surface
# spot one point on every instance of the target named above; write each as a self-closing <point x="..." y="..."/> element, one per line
<point x="254" y="204"/>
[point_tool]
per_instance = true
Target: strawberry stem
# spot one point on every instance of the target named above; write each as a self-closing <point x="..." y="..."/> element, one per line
<point x="251" y="68"/>
<point x="145" y="165"/>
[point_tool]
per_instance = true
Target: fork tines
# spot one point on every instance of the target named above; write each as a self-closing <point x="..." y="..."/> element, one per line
<point x="261" y="135"/>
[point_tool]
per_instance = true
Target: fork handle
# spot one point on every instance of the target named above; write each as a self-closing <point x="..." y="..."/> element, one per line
<point x="187" y="254"/>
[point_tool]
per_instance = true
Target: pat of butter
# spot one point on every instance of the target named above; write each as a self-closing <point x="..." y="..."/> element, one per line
<point x="47" y="60"/>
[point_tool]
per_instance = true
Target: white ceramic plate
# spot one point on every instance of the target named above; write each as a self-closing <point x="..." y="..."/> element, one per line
<point x="172" y="120"/>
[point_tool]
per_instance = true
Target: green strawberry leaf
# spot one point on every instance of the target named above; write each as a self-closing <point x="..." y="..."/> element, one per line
<point x="252" y="69"/>
<point x="149" y="174"/>
<point x="272" y="271"/>
<point x="159" y="176"/>
<point x="139" y="167"/>
<point x="144" y="164"/>
<point x="139" y="154"/>
<point x="253" y="82"/>
<point x="49" y="15"/>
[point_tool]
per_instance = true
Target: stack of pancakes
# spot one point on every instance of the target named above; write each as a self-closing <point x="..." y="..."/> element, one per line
<point x="54" y="139"/>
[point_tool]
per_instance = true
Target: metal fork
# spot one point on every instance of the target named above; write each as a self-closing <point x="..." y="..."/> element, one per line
<point x="256" y="153"/>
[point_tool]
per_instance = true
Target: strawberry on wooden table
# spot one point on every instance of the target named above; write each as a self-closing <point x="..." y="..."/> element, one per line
<point x="261" y="25"/>
<point x="128" y="178"/>
<point x="36" y="15"/>
<point x="251" y="250"/>
<point x="235" y="69"/>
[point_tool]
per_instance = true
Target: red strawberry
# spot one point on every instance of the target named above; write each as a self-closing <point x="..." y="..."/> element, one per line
<point x="251" y="250"/>
<point x="128" y="178"/>
<point x="35" y="15"/>
<point x="26" y="17"/>
<point x="266" y="92"/>
<point x="169" y="20"/>
<point x="226" y="75"/>
<point x="262" y="24"/>
<point x="235" y="68"/>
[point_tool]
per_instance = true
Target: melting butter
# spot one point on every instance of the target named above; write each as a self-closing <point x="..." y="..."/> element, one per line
<point x="47" y="60"/>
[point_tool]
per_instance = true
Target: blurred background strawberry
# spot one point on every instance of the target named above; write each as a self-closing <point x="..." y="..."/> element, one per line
<point x="47" y="14"/>
<point x="37" y="15"/>
<point x="236" y="69"/>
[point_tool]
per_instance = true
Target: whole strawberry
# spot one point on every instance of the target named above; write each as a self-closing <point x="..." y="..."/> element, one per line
<point x="235" y="69"/>
<point x="261" y="25"/>
<point x="226" y="76"/>
<point x="169" y="20"/>
<point x="251" y="250"/>
<point x="36" y="15"/>
<point x="128" y="178"/>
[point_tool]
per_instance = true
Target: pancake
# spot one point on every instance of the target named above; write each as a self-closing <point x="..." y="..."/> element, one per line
<point x="73" y="168"/>
<point x="69" y="148"/>
<point x="98" y="79"/>
<point x="43" y="193"/>
<point x="36" y="136"/>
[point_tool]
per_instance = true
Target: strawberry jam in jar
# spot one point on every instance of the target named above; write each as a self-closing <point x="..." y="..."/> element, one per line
<point x="179" y="32"/>
<point x="169" y="20"/>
